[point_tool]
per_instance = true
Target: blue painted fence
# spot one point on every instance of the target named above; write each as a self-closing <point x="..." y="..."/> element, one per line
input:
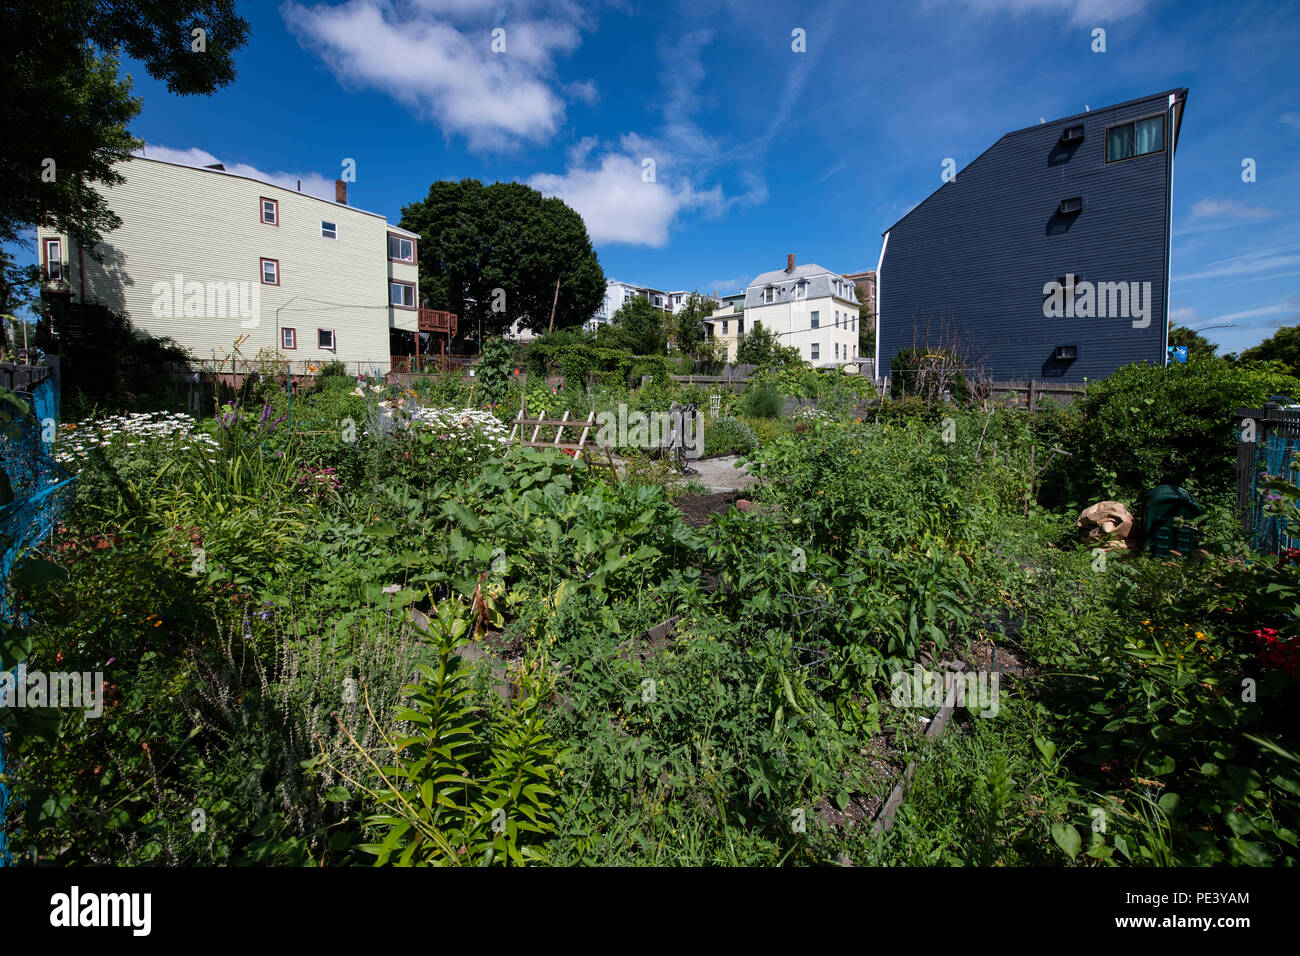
<point x="1276" y="433"/>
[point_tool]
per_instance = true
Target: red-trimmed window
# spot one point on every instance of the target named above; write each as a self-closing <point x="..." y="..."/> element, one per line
<point x="53" y="259"/>
<point x="289" y="339"/>
<point x="401" y="295"/>
<point x="325" y="340"/>
<point x="270" y="211"/>
<point x="400" y="249"/>
<point x="270" y="271"/>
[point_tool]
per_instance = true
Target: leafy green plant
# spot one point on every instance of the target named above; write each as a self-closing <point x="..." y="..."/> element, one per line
<point x="728" y="436"/>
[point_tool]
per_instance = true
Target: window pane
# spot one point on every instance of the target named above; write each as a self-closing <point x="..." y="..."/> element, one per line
<point x="816" y="319"/>
<point x="1150" y="135"/>
<point x="1119" y="142"/>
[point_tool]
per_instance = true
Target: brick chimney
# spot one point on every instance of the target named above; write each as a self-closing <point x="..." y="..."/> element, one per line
<point x="789" y="263"/>
<point x="340" y="191"/>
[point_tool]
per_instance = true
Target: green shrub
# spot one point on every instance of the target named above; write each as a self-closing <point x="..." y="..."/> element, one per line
<point x="760" y="401"/>
<point x="728" y="436"/>
<point x="1148" y="425"/>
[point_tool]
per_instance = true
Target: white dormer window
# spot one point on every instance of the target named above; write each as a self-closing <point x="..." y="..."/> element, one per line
<point x="769" y="294"/>
<point x="801" y="290"/>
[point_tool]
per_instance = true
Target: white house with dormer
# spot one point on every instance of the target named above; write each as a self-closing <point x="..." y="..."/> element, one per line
<point x="809" y="308"/>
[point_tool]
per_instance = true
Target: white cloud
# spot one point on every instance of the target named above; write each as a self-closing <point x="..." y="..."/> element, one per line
<point x="1227" y="209"/>
<point x="616" y="204"/>
<point x="313" y="184"/>
<point x="1290" y="119"/>
<point x="436" y="56"/>
<point x="1091" y="13"/>
<point x="1244" y="265"/>
<point x="603" y="181"/>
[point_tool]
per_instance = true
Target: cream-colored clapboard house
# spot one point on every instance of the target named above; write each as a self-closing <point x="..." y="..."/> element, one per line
<point x="205" y="257"/>
<point x="808" y="307"/>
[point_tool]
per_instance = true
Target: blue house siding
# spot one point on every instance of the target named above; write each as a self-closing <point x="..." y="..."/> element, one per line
<point x="977" y="253"/>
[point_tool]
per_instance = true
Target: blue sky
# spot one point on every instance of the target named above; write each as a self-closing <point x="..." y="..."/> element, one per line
<point x="759" y="150"/>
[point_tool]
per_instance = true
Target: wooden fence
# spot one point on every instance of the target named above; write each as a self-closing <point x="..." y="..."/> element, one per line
<point x="1023" y="394"/>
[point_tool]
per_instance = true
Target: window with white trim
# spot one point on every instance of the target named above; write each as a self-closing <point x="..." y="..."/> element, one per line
<point x="769" y="295"/>
<point x="288" y="338"/>
<point x="816" y="352"/>
<point x="53" y="259"/>
<point x="325" y="339"/>
<point x="329" y="230"/>
<point x="270" y="212"/>
<point x="270" y="271"/>
<point x="816" y="318"/>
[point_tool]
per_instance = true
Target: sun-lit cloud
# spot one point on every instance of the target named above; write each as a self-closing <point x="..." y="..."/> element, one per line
<point x="1075" y="12"/>
<point x="1228" y="209"/>
<point x="438" y="58"/>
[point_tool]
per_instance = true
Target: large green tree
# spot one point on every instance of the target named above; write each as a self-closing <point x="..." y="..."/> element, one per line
<point x="760" y="346"/>
<point x="65" y="108"/>
<point x="637" y="326"/>
<point x="492" y="254"/>
<point x="1282" y="346"/>
<point x="688" y="327"/>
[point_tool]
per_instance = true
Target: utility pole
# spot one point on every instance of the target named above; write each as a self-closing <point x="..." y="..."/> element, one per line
<point x="554" y="303"/>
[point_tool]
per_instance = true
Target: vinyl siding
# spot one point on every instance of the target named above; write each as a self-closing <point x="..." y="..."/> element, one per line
<point x="205" y="226"/>
<point x="792" y="323"/>
<point x="980" y="249"/>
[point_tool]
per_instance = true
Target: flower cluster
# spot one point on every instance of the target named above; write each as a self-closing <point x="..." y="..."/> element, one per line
<point x="320" y="483"/>
<point x="450" y="424"/>
<point x="79" y="438"/>
<point x="1277" y="652"/>
<point x="809" y="414"/>
<point x="1171" y="643"/>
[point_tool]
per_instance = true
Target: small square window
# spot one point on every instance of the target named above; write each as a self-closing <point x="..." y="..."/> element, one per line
<point x="270" y="212"/>
<point x="270" y="271"/>
<point x="329" y="230"/>
<point x="401" y="294"/>
<point x="325" y="339"/>
<point x="288" y="338"/>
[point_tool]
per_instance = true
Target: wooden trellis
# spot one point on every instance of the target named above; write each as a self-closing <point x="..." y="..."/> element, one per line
<point x="580" y="448"/>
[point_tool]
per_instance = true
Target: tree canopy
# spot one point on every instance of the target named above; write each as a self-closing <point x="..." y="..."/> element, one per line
<point x="492" y="254"/>
<point x="1282" y="346"/>
<point x="637" y="326"/>
<point x="688" y="325"/>
<point x="65" y="110"/>
<point x="1196" y="343"/>
<point x="760" y="346"/>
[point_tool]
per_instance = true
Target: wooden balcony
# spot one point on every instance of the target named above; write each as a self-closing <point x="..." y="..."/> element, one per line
<point x="435" y="320"/>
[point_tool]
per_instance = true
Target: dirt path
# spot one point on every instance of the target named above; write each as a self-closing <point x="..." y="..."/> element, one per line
<point x="720" y="474"/>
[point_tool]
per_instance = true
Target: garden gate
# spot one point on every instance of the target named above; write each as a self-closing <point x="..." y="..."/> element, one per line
<point x="39" y="490"/>
<point x="1267" y="438"/>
